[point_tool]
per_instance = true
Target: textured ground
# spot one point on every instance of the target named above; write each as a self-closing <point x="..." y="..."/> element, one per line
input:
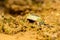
<point x="14" y="17"/>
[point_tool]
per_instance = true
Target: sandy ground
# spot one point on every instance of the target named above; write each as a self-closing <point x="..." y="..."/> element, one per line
<point x="29" y="34"/>
<point x="19" y="36"/>
<point x="6" y="37"/>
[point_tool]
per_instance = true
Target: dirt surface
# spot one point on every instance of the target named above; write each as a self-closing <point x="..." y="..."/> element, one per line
<point x="15" y="26"/>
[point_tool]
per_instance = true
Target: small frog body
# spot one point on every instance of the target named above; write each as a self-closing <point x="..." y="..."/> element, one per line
<point x="35" y="18"/>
